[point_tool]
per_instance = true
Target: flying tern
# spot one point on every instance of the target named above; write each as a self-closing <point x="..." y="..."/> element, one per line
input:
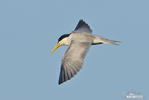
<point x="79" y="42"/>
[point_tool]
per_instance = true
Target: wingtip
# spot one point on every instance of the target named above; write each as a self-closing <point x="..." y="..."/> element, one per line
<point x="59" y="83"/>
<point x="82" y="21"/>
<point x="82" y="26"/>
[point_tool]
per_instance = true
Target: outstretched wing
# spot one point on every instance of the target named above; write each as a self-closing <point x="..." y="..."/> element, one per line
<point x="73" y="60"/>
<point x="82" y="27"/>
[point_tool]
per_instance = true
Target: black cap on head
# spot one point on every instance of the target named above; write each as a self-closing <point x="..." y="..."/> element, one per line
<point x="63" y="36"/>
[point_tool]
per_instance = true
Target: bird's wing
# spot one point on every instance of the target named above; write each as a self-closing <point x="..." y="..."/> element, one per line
<point x="82" y="27"/>
<point x="73" y="59"/>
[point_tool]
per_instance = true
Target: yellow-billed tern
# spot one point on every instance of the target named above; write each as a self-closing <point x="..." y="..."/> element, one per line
<point x="79" y="42"/>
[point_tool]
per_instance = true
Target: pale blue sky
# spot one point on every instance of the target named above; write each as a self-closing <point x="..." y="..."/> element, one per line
<point x="29" y="29"/>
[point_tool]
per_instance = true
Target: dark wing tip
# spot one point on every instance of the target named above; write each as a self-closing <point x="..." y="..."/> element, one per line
<point x="60" y="82"/>
<point x="64" y="76"/>
<point x="81" y="21"/>
<point x="82" y="26"/>
<point x="67" y="73"/>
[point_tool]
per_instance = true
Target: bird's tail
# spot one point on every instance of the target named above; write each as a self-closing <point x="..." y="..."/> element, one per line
<point x="106" y="41"/>
<point x="101" y="40"/>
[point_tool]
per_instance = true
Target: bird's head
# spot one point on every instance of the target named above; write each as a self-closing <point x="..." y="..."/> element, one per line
<point x="63" y="40"/>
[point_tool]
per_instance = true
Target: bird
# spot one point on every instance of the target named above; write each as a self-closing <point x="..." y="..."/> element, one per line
<point x="78" y="41"/>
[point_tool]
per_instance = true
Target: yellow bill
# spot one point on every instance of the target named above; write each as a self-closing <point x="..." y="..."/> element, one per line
<point x="58" y="44"/>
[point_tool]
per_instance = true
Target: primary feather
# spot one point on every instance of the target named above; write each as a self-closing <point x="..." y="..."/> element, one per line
<point x="73" y="60"/>
<point x="82" y="27"/>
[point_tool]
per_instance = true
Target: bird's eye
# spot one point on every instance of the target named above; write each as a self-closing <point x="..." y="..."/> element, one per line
<point x="63" y="36"/>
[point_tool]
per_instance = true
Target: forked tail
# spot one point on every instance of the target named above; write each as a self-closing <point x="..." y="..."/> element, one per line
<point x="101" y="40"/>
<point x="106" y="41"/>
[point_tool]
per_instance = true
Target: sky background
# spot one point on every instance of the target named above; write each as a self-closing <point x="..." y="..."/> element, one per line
<point x="29" y="30"/>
